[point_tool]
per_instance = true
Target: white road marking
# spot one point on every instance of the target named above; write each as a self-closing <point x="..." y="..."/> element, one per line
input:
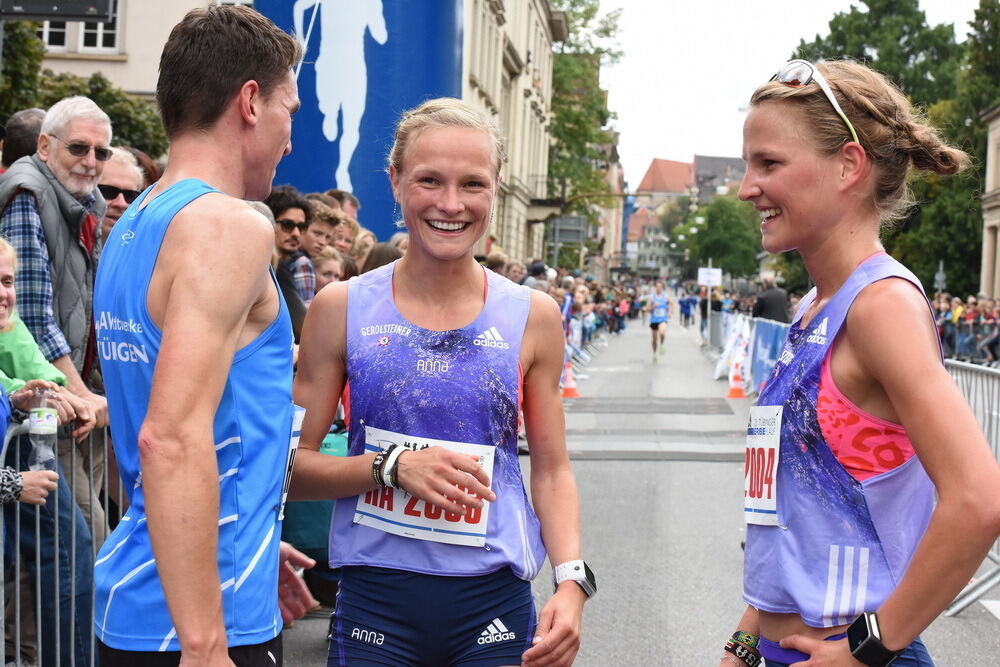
<point x="993" y="606"/>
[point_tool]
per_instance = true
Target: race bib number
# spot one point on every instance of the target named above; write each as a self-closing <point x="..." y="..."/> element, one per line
<point x="659" y="311"/>
<point x="293" y="446"/>
<point x="760" y="465"/>
<point x="399" y="513"/>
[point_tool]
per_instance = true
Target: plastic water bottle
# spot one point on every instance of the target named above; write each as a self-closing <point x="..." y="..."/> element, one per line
<point x="43" y="422"/>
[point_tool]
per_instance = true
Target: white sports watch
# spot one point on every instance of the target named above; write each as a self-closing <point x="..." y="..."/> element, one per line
<point x="578" y="571"/>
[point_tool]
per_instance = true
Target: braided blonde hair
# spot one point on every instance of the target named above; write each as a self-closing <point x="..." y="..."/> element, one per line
<point x="896" y="136"/>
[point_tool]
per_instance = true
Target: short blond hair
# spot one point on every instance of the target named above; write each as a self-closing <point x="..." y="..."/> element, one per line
<point x="120" y="154"/>
<point x="444" y="112"/>
<point x="350" y="223"/>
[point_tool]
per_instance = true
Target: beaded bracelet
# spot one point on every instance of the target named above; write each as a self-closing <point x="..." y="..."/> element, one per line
<point x="748" y="655"/>
<point x="377" y="464"/>
<point x="746" y="638"/>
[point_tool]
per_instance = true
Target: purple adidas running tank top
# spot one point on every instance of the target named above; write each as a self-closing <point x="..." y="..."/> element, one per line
<point x="820" y="543"/>
<point x="457" y="389"/>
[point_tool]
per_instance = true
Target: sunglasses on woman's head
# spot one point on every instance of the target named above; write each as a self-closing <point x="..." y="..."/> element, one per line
<point x="800" y="73"/>
<point x="110" y="193"/>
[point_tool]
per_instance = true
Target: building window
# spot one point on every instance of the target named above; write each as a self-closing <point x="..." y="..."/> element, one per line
<point x="101" y="37"/>
<point x="53" y="35"/>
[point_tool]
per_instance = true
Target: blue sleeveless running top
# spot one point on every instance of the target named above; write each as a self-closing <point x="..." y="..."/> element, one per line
<point x="251" y="432"/>
<point x="660" y="305"/>
<point x="459" y="389"/>
<point x="838" y="547"/>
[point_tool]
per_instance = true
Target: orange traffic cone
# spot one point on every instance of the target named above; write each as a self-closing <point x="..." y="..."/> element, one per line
<point x="736" y="382"/>
<point x="569" y="383"/>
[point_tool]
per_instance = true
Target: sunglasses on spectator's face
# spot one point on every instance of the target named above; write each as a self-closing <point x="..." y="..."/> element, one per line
<point x="800" y="73"/>
<point x="80" y="149"/>
<point x="289" y="225"/>
<point x="110" y="193"/>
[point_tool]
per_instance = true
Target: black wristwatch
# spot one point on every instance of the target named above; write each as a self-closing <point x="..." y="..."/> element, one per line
<point x="864" y="636"/>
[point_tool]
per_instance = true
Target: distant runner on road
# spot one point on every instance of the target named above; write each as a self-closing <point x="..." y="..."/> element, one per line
<point x="659" y="313"/>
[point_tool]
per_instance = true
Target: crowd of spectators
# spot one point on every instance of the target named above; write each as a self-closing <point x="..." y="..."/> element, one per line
<point x="969" y="329"/>
<point x="590" y="306"/>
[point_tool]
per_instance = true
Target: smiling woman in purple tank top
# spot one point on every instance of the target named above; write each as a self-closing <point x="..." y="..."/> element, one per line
<point x="441" y="357"/>
<point x="859" y="428"/>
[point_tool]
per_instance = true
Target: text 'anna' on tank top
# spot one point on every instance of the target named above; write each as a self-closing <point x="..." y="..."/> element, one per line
<point x="458" y="389"/>
<point x="821" y="543"/>
<point x="251" y="434"/>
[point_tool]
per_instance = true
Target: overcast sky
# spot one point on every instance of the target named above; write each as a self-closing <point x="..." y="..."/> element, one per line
<point x="689" y="66"/>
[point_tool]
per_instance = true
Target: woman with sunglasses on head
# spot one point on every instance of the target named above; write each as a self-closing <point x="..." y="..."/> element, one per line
<point x="441" y="355"/>
<point x="859" y="426"/>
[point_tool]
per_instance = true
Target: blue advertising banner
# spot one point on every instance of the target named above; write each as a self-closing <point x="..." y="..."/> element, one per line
<point x="366" y="62"/>
<point x="768" y="338"/>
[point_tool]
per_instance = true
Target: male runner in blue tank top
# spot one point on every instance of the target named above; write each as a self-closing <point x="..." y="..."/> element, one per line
<point x="195" y="346"/>
<point x="659" y="314"/>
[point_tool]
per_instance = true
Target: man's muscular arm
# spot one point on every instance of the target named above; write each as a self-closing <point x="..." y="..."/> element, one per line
<point x="201" y="296"/>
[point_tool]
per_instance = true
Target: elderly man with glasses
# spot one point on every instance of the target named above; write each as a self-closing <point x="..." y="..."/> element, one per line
<point x="53" y="210"/>
<point x="51" y="215"/>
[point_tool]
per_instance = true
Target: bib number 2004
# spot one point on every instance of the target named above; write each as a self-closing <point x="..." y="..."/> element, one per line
<point x="760" y="465"/>
<point x="758" y="473"/>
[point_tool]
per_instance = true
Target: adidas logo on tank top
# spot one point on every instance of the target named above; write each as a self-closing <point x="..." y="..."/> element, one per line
<point x="818" y="336"/>
<point x="491" y="338"/>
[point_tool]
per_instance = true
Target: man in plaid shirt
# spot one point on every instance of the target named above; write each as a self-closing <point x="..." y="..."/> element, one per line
<point x="292" y="217"/>
<point x="51" y="213"/>
<point x="63" y="330"/>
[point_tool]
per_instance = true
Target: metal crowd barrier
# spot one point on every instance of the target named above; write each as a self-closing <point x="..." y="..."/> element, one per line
<point x="981" y="388"/>
<point x="39" y="631"/>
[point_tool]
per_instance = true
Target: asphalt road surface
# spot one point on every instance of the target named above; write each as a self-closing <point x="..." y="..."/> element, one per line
<point x="657" y="451"/>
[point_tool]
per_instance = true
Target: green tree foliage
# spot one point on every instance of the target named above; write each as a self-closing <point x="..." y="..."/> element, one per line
<point x="792" y="272"/>
<point x="979" y="80"/>
<point x="579" y="106"/>
<point x="893" y="37"/>
<point x="135" y="121"/>
<point x="955" y="83"/>
<point x="22" y="56"/>
<point x="947" y="226"/>
<point x="730" y="236"/>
